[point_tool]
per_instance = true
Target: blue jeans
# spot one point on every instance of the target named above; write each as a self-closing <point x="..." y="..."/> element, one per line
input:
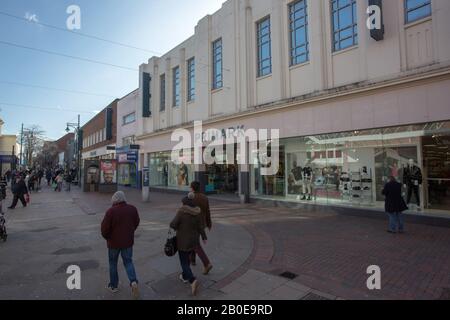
<point x="127" y="258"/>
<point x="396" y="222"/>
<point x="186" y="265"/>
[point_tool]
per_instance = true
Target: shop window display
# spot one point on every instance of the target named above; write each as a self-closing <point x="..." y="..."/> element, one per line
<point x="158" y="169"/>
<point x="223" y="177"/>
<point x="166" y="174"/>
<point x="351" y="168"/>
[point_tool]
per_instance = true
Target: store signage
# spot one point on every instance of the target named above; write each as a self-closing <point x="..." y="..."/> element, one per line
<point x="122" y="157"/>
<point x="6" y="159"/>
<point x="259" y="143"/>
<point x="111" y="148"/>
<point x="216" y="134"/>
<point x="131" y="156"/>
<point x="93" y="153"/>
<point x="135" y="147"/>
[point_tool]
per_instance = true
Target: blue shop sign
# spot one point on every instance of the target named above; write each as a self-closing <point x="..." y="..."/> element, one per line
<point x="6" y="159"/>
<point x="132" y="156"/>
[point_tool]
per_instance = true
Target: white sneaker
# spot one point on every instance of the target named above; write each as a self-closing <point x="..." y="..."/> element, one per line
<point x="135" y="290"/>
<point x="182" y="279"/>
<point x="112" y="290"/>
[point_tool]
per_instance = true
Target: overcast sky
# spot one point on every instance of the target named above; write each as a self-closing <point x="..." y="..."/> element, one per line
<point x="155" y="25"/>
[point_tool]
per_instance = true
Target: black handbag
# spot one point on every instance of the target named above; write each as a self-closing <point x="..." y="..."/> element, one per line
<point x="170" y="249"/>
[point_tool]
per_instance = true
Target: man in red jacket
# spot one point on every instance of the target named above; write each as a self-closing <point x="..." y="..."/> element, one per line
<point x="118" y="227"/>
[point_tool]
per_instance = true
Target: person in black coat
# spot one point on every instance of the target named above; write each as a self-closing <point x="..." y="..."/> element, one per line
<point x="394" y="205"/>
<point x="19" y="191"/>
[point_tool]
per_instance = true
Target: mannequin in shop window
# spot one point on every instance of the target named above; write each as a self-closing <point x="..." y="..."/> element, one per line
<point x="296" y="178"/>
<point x="307" y="175"/>
<point x="183" y="175"/>
<point x="412" y="180"/>
<point x="165" y="174"/>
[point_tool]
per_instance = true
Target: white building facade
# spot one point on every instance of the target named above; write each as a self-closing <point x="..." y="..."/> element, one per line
<point x="126" y="147"/>
<point x="352" y="111"/>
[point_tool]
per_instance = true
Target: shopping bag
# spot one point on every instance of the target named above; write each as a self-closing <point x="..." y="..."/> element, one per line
<point x="170" y="248"/>
<point x="27" y="198"/>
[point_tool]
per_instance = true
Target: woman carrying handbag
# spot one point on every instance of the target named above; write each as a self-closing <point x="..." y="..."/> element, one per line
<point x="187" y="224"/>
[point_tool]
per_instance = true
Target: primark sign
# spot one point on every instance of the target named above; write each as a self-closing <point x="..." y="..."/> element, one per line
<point x="216" y="134"/>
<point x="217" y="146"/>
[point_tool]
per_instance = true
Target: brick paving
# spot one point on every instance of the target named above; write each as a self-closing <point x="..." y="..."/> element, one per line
<point x="329" y="252"/>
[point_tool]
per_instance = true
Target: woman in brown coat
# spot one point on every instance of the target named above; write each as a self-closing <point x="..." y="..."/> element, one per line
<point x="188" y="225"/>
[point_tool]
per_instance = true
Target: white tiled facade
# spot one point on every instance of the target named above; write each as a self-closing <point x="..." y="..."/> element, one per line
<point x="126" y="129"/>
<point x="404" y="49"/>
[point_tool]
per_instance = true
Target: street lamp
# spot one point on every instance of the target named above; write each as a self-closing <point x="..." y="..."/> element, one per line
<point x="76" y="126"/>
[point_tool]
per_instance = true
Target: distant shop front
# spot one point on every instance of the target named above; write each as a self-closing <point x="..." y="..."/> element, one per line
<point x="99" y="169"/>
<point x="128" y="169"/>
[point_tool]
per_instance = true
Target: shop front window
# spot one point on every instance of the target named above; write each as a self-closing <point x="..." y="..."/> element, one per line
<point x="352" y="168"/>
<point x="158" y="169"/>
<point x="167" y="174"/>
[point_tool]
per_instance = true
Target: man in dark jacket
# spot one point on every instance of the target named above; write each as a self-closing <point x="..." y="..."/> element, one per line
<point x="118" y="227"/>
<point x="189" y="228"/>
<point x="19" y="190"/>
<point x="394" y="205"/>
<point x="201" y="200"/>
<point x="68" y="180"/>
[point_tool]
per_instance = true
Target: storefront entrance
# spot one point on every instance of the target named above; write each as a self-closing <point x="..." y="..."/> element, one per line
<point x="222" y="179"/>
<point x="437" y="167"/>
<point x="351" y="168"/>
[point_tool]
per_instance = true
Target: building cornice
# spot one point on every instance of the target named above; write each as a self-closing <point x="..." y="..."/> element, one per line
<point x="344" y="92"/>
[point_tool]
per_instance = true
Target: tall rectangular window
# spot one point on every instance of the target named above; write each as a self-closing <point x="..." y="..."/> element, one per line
<point x="298" y="26"/>
<point x="146" y="95"/>
<point x="129" y="118"/>
<point x="345" y="24"/>
<point x="176" y="87"/>
<point x="217" y="80"/>
<point x="264" y="47"/>
<point x="417" y="9"/>
<point x="162" y="93"/>
<point x="191" y="80"/>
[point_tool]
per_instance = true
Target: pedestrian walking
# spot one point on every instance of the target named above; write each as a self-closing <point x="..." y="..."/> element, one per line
<point x="394" y="205"/>
<point x="8" y="175"/>
<point x="59" y="182"/>
<point x="68" y="180"/>
<point x="31" y="181"/>
<point x="118" y="228"/>
<point x="20" y="191"/>
<point x="48" y="176"/>
<point x="39" y="178"/>
<point x="201" y="200"/>
<point x="188" y="225"/>
<point x="3" y="186"/>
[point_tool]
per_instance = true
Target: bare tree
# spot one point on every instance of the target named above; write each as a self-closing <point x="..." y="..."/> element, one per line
<point x="47" y="156"/>
<point x="33" y="141"/>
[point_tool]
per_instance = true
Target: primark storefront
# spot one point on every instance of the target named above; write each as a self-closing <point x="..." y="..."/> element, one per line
<point x="337" y="150"/>
<point x="351" y="168"/>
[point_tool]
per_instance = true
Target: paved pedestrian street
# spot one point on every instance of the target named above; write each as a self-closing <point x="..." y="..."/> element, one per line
<point x="322" y="255"/>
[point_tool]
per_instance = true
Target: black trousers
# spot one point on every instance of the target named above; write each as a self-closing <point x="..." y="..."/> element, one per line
<point x="17" y="198"/>
<point x="412" y="188"/>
